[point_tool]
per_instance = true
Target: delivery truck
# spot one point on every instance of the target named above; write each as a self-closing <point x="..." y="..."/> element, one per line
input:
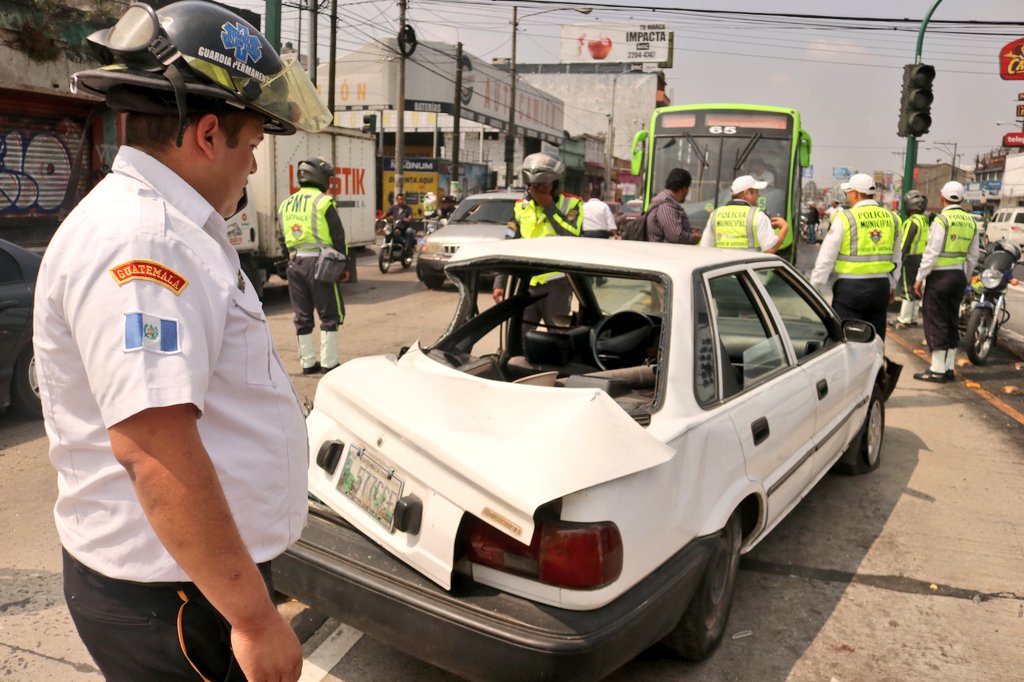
<point x="254" y="230"/>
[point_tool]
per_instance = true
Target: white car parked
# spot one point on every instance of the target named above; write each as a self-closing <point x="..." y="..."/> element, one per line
<point x="517" y="503"/>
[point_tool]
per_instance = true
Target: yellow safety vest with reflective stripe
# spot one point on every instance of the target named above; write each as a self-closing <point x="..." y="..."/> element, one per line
<point x="304" y="219"/>
<point x="920" y="235"/>
<point x="960" y="228"/>
<point x="868" y="242"/>
<point x="733" y="227"/>
<point x="532" y="222"/>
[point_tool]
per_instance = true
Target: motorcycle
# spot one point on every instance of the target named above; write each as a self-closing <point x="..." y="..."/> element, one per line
<point x="984" y="304"/>
<point x="396" y="250"/>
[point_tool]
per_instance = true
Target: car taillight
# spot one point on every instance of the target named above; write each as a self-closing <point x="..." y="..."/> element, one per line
<point x="561" y="553"/>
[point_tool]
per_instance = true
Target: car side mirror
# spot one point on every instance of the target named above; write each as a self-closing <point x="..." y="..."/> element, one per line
<point x="858" y="331"/>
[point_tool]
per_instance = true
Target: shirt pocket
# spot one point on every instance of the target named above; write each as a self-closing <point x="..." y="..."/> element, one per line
<point x="257" y="340"/>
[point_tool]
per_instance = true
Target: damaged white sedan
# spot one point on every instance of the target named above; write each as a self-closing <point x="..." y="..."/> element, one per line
<point x="520" y="502"/>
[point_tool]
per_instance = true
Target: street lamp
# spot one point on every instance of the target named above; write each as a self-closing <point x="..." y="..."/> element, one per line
<point x="510" y="139"/>
<point x="945" y="148"/>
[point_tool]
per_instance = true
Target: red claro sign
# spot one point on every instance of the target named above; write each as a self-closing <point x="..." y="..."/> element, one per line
<point x="1011" y="61"/>
<point x="1013" y="140"/>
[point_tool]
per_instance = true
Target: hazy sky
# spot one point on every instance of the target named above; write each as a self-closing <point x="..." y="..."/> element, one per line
<point x="843" y="76"/>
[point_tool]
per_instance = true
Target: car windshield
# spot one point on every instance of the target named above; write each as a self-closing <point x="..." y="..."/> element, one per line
<point x="497" y="211"/>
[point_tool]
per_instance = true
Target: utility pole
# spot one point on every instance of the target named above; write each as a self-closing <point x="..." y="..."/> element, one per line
<point x="610" y="151"/>
<point x="456" y="126"/>
<point x="400" y="114"/>
<point x="332" y="66"/>
<point x="314" y="10"/>
<point x="510" y="136"/>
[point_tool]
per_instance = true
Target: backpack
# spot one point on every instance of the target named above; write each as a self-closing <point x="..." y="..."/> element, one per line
<point x="637" y="230"/>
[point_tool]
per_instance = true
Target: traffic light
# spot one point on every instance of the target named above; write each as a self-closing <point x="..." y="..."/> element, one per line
<point x="916" y="102"/>
<point x="370" y="123"/>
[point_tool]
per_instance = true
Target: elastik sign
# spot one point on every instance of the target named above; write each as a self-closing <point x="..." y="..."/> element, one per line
<point x="1011" y="61"/>
<point x="1013" y="140"/>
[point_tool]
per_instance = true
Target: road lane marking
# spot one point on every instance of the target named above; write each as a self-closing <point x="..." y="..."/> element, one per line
<point x="320" y="663"/>
<point x="988" y="397"/>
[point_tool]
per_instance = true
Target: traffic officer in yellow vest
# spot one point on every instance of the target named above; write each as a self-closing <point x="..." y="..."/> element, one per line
<point x="740" y="224"/>
<point x="949" y="258"/>
<point x="915" y="235"/>
<point x="310" y="222"/>
<point x="545" y="212"/>
<point x="863" y="247"/>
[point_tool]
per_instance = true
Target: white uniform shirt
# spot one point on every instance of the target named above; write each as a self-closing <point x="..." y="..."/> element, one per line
<point x="766" y="235"/>
<point x="829" y="251"/>
<point x="597" y="215"/>
<point x="140" y="303"/>
<point x="937" y="241"/>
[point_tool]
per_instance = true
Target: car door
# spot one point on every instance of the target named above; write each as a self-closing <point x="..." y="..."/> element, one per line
<point x="768" y="397"/>
<point x="816" y="339"/>
<point x="15" y="309"/>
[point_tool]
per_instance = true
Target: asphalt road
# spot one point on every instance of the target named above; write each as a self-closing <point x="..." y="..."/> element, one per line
<point x="909" y="573"/>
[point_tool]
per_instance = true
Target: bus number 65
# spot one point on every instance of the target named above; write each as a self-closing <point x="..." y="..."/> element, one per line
<point x="722" y="130"/>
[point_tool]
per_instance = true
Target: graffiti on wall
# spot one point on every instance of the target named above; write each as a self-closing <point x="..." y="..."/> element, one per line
<point x="35" y="166"/>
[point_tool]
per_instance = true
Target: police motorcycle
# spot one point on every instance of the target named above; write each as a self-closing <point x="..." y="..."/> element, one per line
<point x="983" y="310"/>
<point x="396" y="248"/>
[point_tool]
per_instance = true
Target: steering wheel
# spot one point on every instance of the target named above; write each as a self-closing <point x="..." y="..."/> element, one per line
<point x="621" y="340"/>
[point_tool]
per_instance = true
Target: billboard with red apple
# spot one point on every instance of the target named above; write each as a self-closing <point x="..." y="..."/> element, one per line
<point x="637" y="43"/>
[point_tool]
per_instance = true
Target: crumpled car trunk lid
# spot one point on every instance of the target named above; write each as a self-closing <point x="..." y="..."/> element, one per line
<point x="493" y="449"/>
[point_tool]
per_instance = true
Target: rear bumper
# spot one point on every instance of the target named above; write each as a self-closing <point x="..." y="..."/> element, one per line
<point x="474" y="631"/>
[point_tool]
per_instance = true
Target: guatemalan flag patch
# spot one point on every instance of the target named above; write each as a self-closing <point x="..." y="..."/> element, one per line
<point x="147" y="332"/>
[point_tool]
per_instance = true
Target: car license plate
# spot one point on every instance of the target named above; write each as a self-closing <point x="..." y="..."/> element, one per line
<point x="374" y="488"/>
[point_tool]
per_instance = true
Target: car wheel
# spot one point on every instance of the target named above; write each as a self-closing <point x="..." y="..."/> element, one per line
<point x="25" y="386"/>
<point x="865" y="452"/>
<point x="433" y="281"/>
<point x="700" y="630"/>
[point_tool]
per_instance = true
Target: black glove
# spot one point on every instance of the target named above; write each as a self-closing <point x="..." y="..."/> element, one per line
<point x="281" y="268"/>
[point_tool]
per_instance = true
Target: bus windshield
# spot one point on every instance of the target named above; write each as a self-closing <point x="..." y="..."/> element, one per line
<point x="715" y="160"/>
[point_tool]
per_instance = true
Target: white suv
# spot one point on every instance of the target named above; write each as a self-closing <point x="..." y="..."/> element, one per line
<point x="1007" y="223"/>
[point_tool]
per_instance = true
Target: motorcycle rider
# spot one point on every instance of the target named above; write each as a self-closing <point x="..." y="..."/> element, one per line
<point x="915" y="236"/>
<point x="545" y="212"/>
<point x="948" y="259"/>
<point x="401" y="217"/>
<point x="309" y="222"/>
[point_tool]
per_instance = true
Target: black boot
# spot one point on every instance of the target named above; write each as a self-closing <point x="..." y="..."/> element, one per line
<point x="934" y="377"/>
<point x="315" y="369"/>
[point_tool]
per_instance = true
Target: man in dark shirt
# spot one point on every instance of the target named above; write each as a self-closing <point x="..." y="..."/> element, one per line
<point x="668" y="221"/>
<point x="401" y="214"/>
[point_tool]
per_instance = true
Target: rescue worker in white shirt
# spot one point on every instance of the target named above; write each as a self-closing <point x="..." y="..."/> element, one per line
<point x="180" y="446"/>
<point x="915" y="236"/>
<point x="310" y="221"/>
<point x="598" y="221"/>
<point x="740" y="224"/>
<point x="546" y="212"/>
<point x="863" y="247"/>
<point x="948" y="260"/>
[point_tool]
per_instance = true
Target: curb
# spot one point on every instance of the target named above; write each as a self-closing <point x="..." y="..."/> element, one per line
<point x="1012" y="341"/>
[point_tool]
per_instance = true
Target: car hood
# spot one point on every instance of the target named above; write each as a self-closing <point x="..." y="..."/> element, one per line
<point x="496" y="450"/>
<point x="468" y="232"/>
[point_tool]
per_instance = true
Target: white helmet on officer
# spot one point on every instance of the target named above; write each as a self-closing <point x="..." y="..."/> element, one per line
<point x="543" y="168"/>
<point x="915" y="202"/>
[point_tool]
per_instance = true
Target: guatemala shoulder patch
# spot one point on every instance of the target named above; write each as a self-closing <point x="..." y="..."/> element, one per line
<point x="147" y="332"/>
<point x="150" y="271"/>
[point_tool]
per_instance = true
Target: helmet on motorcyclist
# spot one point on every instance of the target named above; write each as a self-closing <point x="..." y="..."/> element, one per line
<point x="915" y="202"/>
<point x="197" y="57"/>
<point x="542" y="168"/>
<point x="315" y="172"/>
